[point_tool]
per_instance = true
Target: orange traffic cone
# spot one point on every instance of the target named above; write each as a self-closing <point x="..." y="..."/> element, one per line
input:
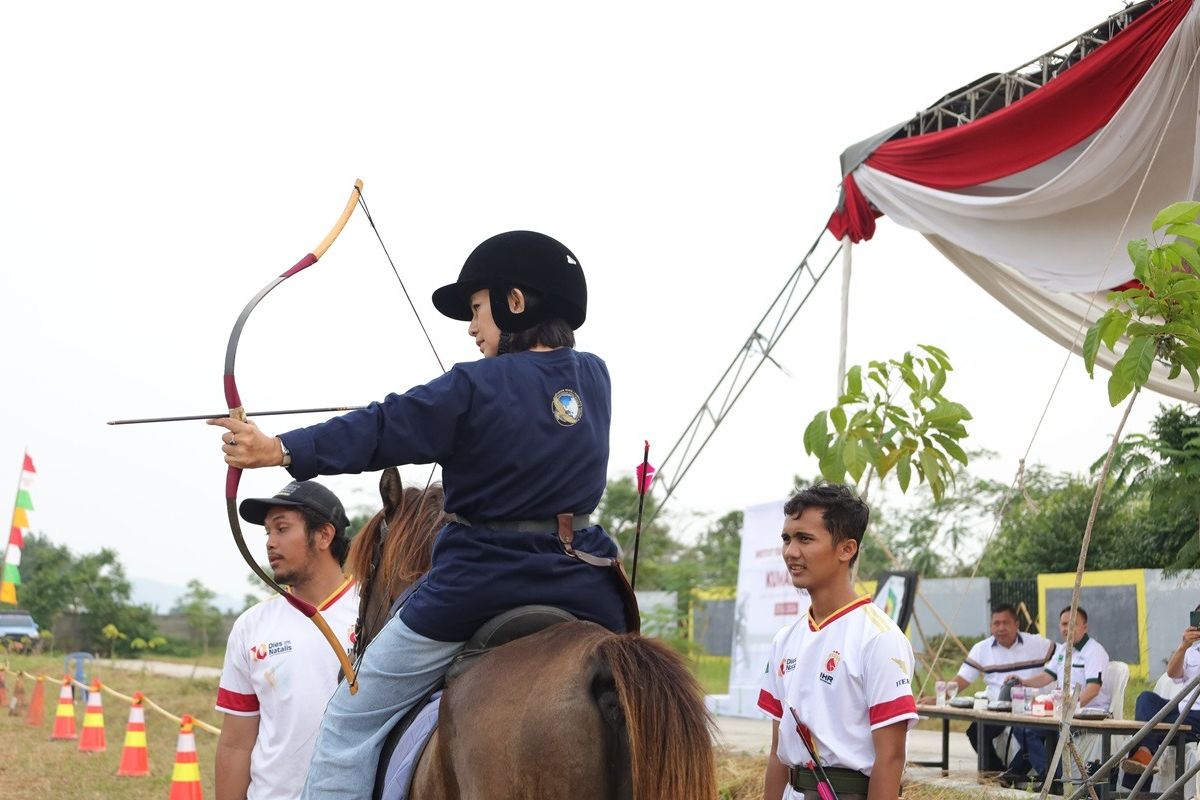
<point x="185" y="779"/>
<point x="135" y="759"/>
<point x="3" y="690"/>
<point x="37" y="704"/>
<point x="92" y="738"/>
<point x="64" y="715"/>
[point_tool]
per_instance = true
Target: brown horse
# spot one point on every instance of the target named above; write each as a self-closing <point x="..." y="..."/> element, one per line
<point x="574" y="711"/>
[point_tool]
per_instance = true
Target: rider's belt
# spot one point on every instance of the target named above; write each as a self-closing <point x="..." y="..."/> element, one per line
<point x="548" y="525"/>
<point x="843" y="781"/>
<point x="565" y="525"/>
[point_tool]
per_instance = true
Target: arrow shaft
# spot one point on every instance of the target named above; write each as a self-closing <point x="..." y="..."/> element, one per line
<point x="194" y="417"/>
<point x="637" y="534"/>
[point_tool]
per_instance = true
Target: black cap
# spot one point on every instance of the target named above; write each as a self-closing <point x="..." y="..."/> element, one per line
<point x="525" y="259"/>
<point x="299" y="494"/>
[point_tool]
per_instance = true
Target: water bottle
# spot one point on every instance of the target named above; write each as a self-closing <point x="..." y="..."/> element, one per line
<point x="1018" y="700"/>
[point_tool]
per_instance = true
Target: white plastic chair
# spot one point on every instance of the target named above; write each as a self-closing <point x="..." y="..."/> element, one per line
<point x="1116" y="679"/>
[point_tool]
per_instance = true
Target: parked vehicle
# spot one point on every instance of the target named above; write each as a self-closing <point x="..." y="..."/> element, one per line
<point x="17" y="625"/>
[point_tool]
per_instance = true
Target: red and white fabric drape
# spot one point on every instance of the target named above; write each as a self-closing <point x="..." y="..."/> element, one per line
<point x="1029" y="200"/>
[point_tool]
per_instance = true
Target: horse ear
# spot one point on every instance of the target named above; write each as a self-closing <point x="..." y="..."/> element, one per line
<point x="391" y="491"/>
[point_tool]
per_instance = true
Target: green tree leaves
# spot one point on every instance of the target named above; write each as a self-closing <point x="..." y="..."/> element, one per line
<point x="1162" y="316"/>
<point x="1184" y="211"/>
<point x="92" y="584"/>
<point x="897" y="419"/>
<point x="203" y="616"/>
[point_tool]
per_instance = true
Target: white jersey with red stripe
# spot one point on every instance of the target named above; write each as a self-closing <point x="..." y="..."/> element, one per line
<point x="280" y="668"/>
<point x="844" y="677"/>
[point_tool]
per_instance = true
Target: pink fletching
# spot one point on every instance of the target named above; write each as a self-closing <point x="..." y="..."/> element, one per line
<point x="645" y="477"/>
<point x="824" y="790"/>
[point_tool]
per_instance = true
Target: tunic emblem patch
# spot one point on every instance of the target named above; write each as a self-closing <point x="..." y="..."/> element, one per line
<point x="566" y="407"/>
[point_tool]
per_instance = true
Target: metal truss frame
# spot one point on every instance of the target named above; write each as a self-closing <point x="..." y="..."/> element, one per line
<point x="994" y="92"/>
<point x="753" y="354"/>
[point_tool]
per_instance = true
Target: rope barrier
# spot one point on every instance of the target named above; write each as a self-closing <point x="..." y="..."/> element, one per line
<point x="146" y="701"/>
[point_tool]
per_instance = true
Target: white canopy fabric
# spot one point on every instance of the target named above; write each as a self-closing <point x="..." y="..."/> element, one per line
<point x="1056" y="314"/>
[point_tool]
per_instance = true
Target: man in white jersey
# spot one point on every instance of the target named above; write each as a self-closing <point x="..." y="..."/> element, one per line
<point x="279" y="672"/>
<point x="839" y="681"/>
<point x="1088" y="661"/>
<point x="1182" y="666"/>
<point x="1007" y="652"/>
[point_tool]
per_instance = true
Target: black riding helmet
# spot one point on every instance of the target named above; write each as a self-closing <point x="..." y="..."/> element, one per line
<point x="532" y="262"/>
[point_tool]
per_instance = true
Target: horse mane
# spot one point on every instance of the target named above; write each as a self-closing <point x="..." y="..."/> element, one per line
<point x="405" y="556"/>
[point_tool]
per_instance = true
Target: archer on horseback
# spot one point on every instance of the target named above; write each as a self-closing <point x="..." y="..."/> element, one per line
<point x="522" y="437"/>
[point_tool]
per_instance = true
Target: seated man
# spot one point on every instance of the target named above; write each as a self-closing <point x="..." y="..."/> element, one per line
<point x="1089" y="658"/>
<point x="1007" y="652"/>
<point x="1182" y="667"/>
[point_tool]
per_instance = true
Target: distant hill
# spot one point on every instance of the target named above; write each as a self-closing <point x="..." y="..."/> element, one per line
<point x="162" y="596"/>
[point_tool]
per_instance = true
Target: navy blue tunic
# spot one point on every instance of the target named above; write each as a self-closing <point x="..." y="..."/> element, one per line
<point x="523" y="436"/>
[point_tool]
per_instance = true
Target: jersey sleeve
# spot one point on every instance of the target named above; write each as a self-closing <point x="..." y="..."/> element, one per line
<point x="1191" y="664"/>
<point x="972" y="667"/>
<point x="770" y="695"/>
<point x="888" y="672"/>
<point x="417" y="427"/>
<point x="1051" y="667"/>
<point x="1094" y="665"/>
<point x="235" y="692"/>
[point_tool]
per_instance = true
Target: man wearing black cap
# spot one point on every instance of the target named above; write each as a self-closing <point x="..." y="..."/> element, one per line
<point x="279" y="672"/>
<point x="522" y="438"/>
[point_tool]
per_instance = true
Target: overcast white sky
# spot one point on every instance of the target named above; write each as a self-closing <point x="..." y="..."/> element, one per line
<point x="161" y="162"/>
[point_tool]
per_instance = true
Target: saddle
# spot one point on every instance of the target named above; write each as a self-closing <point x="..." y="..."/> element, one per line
<point x="391" y="774"/>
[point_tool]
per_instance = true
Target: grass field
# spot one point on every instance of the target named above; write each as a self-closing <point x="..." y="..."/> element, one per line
<point x="215" y="658"/>
<point x="32" y="766"/>
<point x="712" y="672"/>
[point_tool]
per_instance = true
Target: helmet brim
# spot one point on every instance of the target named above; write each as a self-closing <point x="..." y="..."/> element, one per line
<point x="453" y="301"/>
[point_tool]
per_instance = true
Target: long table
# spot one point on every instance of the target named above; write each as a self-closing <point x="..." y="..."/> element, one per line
<point x="1106" y="728"/>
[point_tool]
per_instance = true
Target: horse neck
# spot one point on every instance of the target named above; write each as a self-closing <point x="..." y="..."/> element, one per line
<point x="380" y="590"/>
<point x="378" y="604"/>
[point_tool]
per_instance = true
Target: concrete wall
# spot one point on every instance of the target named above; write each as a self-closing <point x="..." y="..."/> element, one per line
<point x="68" y="631"/>
<point x="1168" y="603"/>
<point x="963" y="604"/>
<point x="712" y="621"/>
<point x="1137" y="614"/>
<point x="659" y="613"/>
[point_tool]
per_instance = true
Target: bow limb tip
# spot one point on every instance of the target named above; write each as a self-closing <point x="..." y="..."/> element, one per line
<point x="320" y="249"/>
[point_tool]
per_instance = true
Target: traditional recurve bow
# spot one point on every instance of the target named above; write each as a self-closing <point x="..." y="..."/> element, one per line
<point x="238" y="411"/>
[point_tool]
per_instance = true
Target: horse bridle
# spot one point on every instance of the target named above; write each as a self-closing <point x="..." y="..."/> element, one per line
<point x="364" y="597"/>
